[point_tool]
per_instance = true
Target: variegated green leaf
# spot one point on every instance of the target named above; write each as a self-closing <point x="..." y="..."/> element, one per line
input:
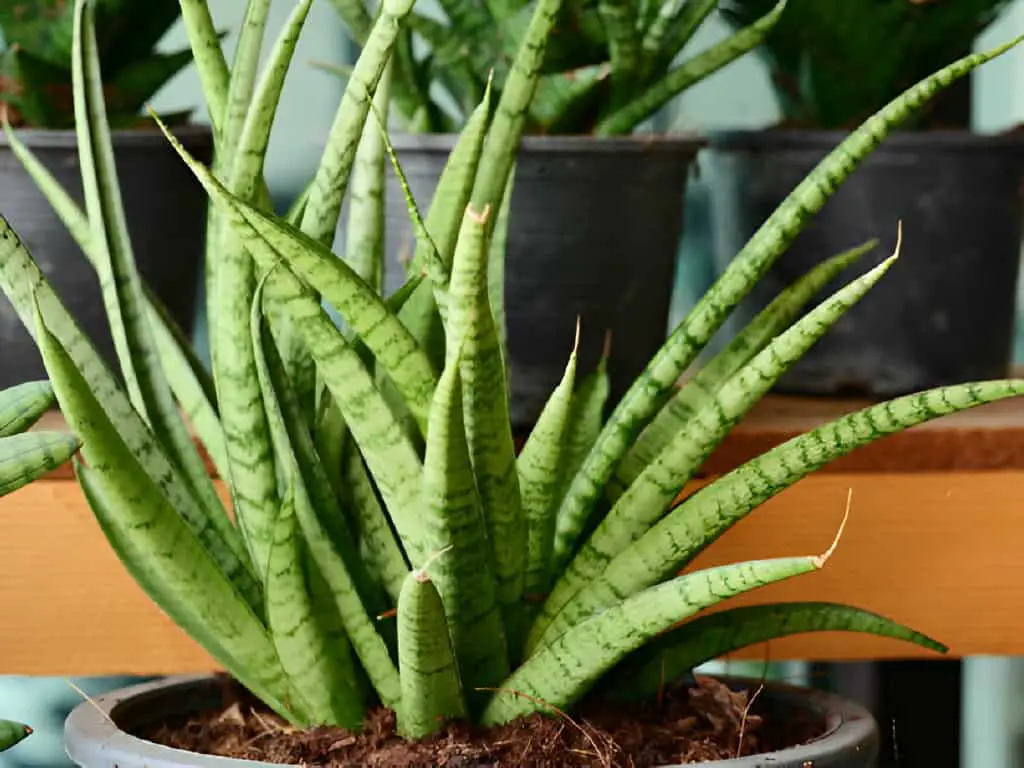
<point x="328" y="693"/>
<point x="320" y="219"/>
<point x="209" y="58"/>
<point x="558" y="674"/>
<point x="28" y="456"/>
<point x="454" y="523"/>
<point x="502" y="143"/>
<point x="431" y="689"/>
<point x="188" y="379"/>
<point x="156" y="544"/>
<point x="539" y="464"/>
<point x="270" y="239"/>
<point x="115" y="264"/>
<point x="364" y="249"/>
<point x="674" y="82"/>
<point x="341" y="577"/>
<point x="650" y="495"/>
<point x="709" y="637"/>
<point x="12" y="733"/>
<point x="700" y="390"/>
<point x="496" y="254"/>
<point x="242" y="81"/>
<point x="296" y="452"/>
<point x="651" y="389"/>
<point x="685" y="531"/>
<point x="488" y="428"/>
<point x="378" y="547"/>
<point x="23" y="405"/>
<point x="24" y="285"/>
<point x="675" y="21"/>
<point x="620" y="25"/>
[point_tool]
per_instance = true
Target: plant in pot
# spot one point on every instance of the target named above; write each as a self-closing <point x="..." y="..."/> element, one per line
<point x="391" y="562"/>
<point x="35" y="93"/>
<point x="946" y="313"/>
<point x="24" y="457"/>
<point x="610" y="66"/>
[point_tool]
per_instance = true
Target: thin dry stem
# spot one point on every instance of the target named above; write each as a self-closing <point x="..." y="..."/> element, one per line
<point x="743" y="720"/>
<point x="480" y="217"/>
<point x="820" y="560"/>
<point x="91" y="701"/>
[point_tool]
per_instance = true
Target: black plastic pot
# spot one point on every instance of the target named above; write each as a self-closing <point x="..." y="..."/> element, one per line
<point x="97" y="734"/>
<point x="944" y="313"/>
<point x="595" y="228"/>
<point x="166" y="211"/>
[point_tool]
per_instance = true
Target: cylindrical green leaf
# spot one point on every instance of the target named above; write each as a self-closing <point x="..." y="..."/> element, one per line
<point x="560" y="673"/>
<point x="431" y="689"/>
<point x="11" y="733"/>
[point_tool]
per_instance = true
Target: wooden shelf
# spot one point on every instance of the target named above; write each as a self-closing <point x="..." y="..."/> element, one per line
<point x="934" y="540"/>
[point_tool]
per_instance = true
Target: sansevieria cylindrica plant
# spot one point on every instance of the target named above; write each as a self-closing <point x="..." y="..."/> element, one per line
<point x="387" y="543"/>
<point x="26" y="456"/>
<point x="608" y="66"/>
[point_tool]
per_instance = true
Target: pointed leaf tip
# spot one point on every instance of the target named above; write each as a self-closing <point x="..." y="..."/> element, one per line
<point x="480" y="217"/>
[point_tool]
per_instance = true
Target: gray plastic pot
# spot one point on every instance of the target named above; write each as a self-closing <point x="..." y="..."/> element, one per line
<point x="595" y="230"/>
<point x="945" y="312"/>
<point x="92" y="739"/>
<point x="166" y="211"/>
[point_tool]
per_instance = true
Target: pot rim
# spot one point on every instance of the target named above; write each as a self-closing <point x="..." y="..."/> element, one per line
<point x="191" y="134"/>
<point x="673" y="143"/>
<point x="92" y="738"/>
<point x="946" y="140"/>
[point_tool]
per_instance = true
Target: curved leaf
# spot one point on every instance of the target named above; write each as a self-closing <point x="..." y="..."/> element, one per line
<point x="701" y="389"/>
<point x="28" y="456"/>
<point x="661" y="92"/>
<point x="659" y="484"/>
<point x="155" y="543"/>
<point x="27" y="288"/>
<point x="709" y="637"/>
<point x="650" y="390"/>
<point x="23" y="405"/>
<point x="320" y="218"/>
<point x="269" y="239"/>
<point x="560" y="673"/>
<point x="693" y="525"/>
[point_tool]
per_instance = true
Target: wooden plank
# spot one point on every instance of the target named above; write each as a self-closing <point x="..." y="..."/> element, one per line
<point x="938" y="551"/>
<point x="988" y="437"/>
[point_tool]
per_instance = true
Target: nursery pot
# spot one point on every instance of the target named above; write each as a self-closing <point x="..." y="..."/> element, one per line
<point x="166" y="212"/>
<point x="944" y="313"/>
<point x="594" y="232"/>
<point x="98" y="733"/>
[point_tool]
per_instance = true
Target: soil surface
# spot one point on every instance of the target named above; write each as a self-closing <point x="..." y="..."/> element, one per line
<point x="706" y="721"/>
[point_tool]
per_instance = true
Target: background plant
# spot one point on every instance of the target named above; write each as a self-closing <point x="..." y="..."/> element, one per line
<point x="35" y="69"/>
<point x="609" y="64"/>
<point x="24" y="457"/>
<point x="826" y="62"/>
<point x="371" y="468"/>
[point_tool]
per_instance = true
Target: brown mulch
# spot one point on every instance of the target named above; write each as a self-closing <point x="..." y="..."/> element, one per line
<point x="705" y="722"/>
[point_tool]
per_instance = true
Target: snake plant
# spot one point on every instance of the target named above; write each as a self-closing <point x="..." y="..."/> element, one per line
<point x="35" y="67"/>
<point x="609" y="64"/>
<point x="827" y="67"/>
<point x="388" y="544"/>
<point x="24" y="457"/>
